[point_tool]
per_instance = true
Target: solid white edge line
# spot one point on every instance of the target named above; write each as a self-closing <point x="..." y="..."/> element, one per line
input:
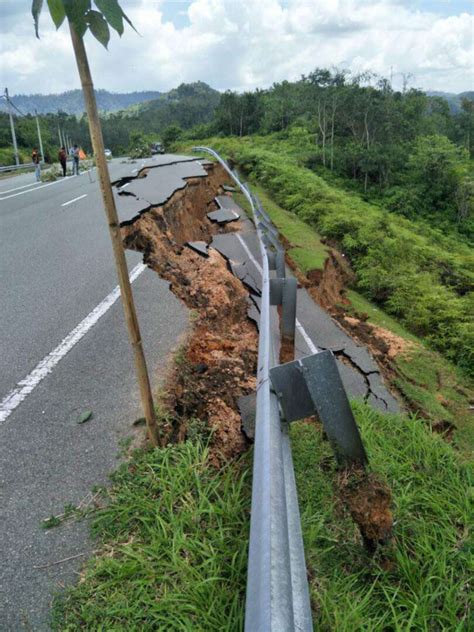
<point x="311" y="346"/>
<point x="50" y="184"/>
<point x="81" y="197"/>
<point x="32" y="184"/>
<point x="47" y="364"/>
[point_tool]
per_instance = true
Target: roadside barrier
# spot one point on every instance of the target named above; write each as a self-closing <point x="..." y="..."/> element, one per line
<point x="26" y="165"/>
<point x="277" y="598"/>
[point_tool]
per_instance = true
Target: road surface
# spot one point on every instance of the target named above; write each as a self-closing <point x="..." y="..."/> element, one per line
<point x="63" y="351"/>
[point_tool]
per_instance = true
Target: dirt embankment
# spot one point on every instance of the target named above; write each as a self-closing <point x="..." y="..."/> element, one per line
<point x="328" y="287"/>
<point x="218" y="363"/>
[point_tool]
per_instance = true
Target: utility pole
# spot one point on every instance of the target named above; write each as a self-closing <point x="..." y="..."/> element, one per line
<point x="12" y="126"/>
<point x="39" y="136"/>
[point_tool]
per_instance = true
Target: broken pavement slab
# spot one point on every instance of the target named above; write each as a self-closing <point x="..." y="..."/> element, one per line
<point x="198" y="246"/>
<point x="223" y="216"/>
<point x="249" y="275"/>
<point x="131" y="168"/>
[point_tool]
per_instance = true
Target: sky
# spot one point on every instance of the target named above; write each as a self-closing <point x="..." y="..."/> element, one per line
<point x="244" y="44"/>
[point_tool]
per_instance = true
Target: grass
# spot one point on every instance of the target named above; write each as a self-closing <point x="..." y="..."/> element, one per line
<point x="422" y="582"/>
<point x="173" y="540"/>
<point x="306" y="248"/>
<point x="378" y="317"/>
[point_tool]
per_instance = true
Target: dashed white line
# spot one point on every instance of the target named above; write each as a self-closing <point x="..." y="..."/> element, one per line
<point x="43" y="186"/>
<point x="75" y="200"/>
<point x="311" y="346"/>
<point x="47" y="364"/>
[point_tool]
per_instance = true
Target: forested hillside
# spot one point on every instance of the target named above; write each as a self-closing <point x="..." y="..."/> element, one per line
<point x="180" y="109"/>
<point x="72" y="101"/>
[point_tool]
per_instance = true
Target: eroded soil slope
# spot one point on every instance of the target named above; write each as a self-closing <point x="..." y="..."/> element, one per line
<point x="219" y="358"/>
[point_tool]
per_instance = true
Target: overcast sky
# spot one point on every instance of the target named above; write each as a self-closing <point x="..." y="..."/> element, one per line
<point x="242" y="44"/>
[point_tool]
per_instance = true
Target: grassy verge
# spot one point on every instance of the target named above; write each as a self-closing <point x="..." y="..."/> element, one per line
<point x="173" y="540"/>
<point x="422" y="581"/>
<point x="173" y="548"/>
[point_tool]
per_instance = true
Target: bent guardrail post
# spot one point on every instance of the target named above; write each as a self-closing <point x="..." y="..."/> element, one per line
<point x="277" y="598"/>
<point x="313" y="385"/>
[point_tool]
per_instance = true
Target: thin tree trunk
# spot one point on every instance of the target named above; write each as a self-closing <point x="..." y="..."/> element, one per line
<point x="322" y="127"/>
<point x="332" y="131"/>
<point x="115" y="235"/>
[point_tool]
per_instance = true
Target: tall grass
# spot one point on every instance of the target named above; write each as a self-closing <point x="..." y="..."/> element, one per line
<point x="174" y="550"/>
<point x="422" y="582"/>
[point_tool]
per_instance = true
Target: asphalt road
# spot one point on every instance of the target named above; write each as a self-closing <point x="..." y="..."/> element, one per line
<point x="63" y="351"/>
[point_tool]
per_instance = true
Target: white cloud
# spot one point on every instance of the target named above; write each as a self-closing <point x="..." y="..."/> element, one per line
<point x="247" y="43"/>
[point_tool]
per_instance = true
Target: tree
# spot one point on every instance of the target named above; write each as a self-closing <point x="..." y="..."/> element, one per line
<point x="171" y="134"/>
<point x="81" y="17"/>
<point x="434" y="170"/>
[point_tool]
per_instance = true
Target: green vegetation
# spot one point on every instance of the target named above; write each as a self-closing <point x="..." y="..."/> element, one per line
<point x="415" y="272"/>
<point x="304" y="247"/>
<point x="72" y="101"/>
<point x="174" y="547"/>
<point x="420" y="581"/>
<point x="174" y="531"/>
<point x="182" y="108"/>
<point x="432" y="387"/>
<point x="377" y="316"/>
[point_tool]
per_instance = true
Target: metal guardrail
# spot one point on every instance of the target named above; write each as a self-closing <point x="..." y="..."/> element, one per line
<point x="27" y="165"/>
<point x="277" y="588"/>
<point x="277" y="597"/>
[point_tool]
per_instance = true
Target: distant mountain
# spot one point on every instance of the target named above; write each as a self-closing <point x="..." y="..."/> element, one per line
<point x="72" y="102"/>
<point x="454" y="100"/>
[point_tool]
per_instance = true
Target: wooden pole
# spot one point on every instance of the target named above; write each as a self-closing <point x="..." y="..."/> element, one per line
<point x="115" y="234"/>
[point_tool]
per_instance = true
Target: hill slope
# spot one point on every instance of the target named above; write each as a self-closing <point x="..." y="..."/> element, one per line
<point x="72" y="102"/>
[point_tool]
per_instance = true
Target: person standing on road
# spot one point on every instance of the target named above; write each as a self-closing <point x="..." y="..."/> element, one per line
<point x="75" y="160"/>
<point x="36" y="161"/>
<point x="63" y="160"/>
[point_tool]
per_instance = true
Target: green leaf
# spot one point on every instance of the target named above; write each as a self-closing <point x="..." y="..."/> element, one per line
<point x="86" y="415"/>
<point x="98" y="27"/>
<point x="76" y="14"/>
<point x="36" y="7"/>
<point x="127" y="19"/>
<point x="112" y="12"/>
<point x="57" y="12"/>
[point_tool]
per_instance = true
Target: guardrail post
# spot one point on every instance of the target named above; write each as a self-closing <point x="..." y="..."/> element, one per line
<point x="288" y="319"/>
<point x="313" y="385"/>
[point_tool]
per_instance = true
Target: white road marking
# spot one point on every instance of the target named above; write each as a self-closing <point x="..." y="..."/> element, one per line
<point x="47" y="364"/>
<point x="75" y="200"/>
<point x="50" y="184"/>
<point x="311" y="346"/>
<point x="32" y="184"/>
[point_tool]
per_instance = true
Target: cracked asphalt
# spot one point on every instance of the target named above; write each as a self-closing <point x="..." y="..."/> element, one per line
<point x="359" y="371"/>
<point x="56" y="267"/>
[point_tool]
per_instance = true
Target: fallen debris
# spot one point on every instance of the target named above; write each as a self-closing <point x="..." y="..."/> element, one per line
<point x="368" y="501"/>
<point x="86" y="415"/>
<point x="198" y="246"/>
